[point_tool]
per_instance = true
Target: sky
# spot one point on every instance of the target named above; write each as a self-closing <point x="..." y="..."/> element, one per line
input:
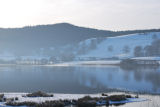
<point x="101" y="14"/>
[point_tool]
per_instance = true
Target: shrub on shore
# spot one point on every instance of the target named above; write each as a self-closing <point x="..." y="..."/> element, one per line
<point x="51" y="104"/>
<point x="34" y="104"/>
<point x="1" y="97"/>
<point x="103" y="94"/>
<point x="88" y="101"/>
<point x="11" y="103"/>
<point x="128" y="96"/>
<point x="117" y="97"/>
<point x="16" y="98"/>
<point x="39" y="94"/>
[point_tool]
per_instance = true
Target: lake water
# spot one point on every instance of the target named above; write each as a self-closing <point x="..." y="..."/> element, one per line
<point x="79" y="79"/>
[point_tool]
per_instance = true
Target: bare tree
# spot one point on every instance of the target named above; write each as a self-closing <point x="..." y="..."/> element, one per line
<point x="110" y="48"/>
<point x="126" y="49"/>
<point x="138" y="51"/>
<point x="154" y="37"/>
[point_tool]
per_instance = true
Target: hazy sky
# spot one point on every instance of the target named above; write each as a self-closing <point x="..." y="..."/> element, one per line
<point x="102" y="14"/>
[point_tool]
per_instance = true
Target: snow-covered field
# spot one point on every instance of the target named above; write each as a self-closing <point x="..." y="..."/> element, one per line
<point x="143" y="101"/>
<point x="42" y="99"/>
<point x="115" y="46"/>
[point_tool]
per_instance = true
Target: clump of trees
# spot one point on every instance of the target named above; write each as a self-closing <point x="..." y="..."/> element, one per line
<point x="149" y="50"/>
<point x="153" y="49"/>
<point x="84" y="47"/>
<point x="138" y="51"/>
<point x="67" y="57"/>
<point x="126" y="49"/>
<point x="93" y="44"/>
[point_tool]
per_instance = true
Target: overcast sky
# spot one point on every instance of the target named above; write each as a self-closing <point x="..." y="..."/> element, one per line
<point x="101" y="14"/>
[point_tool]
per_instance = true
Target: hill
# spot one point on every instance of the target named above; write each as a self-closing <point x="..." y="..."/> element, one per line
<point x="51" y="40"/>
<point x="25" y="40"/>
<point x="119" y="46"/>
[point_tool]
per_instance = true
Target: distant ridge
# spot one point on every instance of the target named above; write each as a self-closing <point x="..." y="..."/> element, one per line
<point x="68" y="24"/>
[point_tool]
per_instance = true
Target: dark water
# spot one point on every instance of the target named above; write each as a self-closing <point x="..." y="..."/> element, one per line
<point x="82" y="79"/>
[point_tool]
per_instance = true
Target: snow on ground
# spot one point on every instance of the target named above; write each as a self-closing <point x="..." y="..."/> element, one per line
<point x="152" y="102"/>
<point x="42" y="99"/>
<point x="143" y="101"/>
<point x="147" y="58"/>
<point x="74" y="63"/>
<point x="117" y="45"/>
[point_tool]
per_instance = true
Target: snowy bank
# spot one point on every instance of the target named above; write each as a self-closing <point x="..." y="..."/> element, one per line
<point x="143" y="99"/>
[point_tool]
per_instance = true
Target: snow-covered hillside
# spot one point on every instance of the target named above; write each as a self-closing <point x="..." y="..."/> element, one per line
<point x="121" y="46"/>
<point x="90" y="49"/>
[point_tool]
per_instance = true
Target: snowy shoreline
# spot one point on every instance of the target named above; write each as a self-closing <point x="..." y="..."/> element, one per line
<point x="89" y="63"/>
<point x="144" y="99"/>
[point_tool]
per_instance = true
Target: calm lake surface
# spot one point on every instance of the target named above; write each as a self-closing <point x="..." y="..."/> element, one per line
<point x="79" y="79"/>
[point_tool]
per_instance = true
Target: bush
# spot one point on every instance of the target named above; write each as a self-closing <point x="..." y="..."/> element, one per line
<point x="74" y="102"/>
<point x="51" y="104"/>
<point x="9" y="99"/>
<point x="16" y="98"/>
<point x="88" y="101"/>
<point x="128" y="96"/>
<point x="39" y="94"/>
<point x="103" y="94"/>
<point x="20" y="103"/>
<point x="4" y="99"/>
<point x="67" y="102"/>
<point x="117" y="97"/>
<point x="1" y="97"/>
<point x="33" y="104"/>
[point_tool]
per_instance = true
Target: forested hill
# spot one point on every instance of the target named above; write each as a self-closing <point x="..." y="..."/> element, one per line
<point x="50" y="35"/>
<point x="28" y="39"/>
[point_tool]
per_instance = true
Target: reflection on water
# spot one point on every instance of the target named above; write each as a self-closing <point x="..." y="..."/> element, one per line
<point x="78" y="79"/>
